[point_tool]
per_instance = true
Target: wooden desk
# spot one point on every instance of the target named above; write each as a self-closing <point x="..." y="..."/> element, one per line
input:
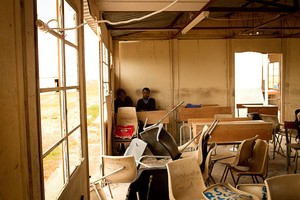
<point x="203" y="112"/>
<point x="261" y="109"/>
<point x="231" y="132"/>
<point x="153" y="116"/>
<point x="210" y="120"/>
<point x="242" y="105"/>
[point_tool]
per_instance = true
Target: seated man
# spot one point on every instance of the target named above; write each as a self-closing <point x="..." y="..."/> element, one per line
<point x="146" y="103"/>
<point x="122" y="100"/>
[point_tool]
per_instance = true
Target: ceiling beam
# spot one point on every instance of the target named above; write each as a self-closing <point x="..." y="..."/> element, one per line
<point x="139" y="5"/>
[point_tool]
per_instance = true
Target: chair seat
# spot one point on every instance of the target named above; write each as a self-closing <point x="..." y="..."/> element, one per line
<point x="226" y="157"/>
<point x="226" y="191"/>
<point x="295" y="146"/>
<point x="258" y="190"/>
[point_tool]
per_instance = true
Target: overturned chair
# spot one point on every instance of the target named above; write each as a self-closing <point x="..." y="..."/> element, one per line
<point x="115" y="169"/>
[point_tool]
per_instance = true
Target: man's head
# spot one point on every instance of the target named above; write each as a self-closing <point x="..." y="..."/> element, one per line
<point x="121" y="94"/>
<point x="146" y="93"/>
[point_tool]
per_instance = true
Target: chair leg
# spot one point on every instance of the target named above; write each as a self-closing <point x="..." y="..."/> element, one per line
<point x="232" y="176"/>
<point x="296" y="161"/>
<point x="110" y="190"/>
<point x="96" y="191"/>
<point x="280" y="149"/>
<point x="224" y="175"/>
<point x="274" y="144"/>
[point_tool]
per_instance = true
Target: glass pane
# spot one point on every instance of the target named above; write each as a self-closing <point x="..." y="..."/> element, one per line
<point x="105" y="89"/>
<point x="53" y="173"/>
<point x="46" y="11"/>
<point x="104" y="53"/>
<point x="71" y="66"/>
<point x="73" y="109"/>
<point x="276" y="68"/>
<point x="50" y="119"/>
<point x="75" y="153"/>
<point x="70" y="22"/>
<point x="48" y="60"/>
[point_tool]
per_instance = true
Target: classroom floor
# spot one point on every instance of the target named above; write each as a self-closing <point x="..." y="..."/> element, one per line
<point x="276" y="167"/>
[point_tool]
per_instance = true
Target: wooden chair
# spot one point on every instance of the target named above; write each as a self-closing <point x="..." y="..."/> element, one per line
<point x="242" y="157"/>
<point x="283" y="187"/>
<point x="258" y="164"/>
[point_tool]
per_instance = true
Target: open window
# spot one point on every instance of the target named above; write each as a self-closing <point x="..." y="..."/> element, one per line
<point x="59" y="96"/>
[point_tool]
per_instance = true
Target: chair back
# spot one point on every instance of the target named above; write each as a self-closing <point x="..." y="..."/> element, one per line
<point x="297" y="123"/>
<point x="168" y="142"/>
<point x="150" y="137"/>
<point x="200" y="145"/>
<point x="118" y="169"/>
<point x="185" y="179"/>
<point x="127" y="116"/>
<point x="283" y="187"/>
<point x="273" y="119"/>
<point x="136" y="148"/>
<point x="207" y="167"/>
<point x="244" y="152"/>
<point x="259" y="160"/>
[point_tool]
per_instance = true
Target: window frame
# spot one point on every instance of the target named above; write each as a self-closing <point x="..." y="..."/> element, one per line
<point x="62" y="89"/>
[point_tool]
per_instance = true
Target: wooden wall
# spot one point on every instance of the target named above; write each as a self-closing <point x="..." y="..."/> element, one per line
<point x="199" y="71"/>
<point x="20" y="153"/>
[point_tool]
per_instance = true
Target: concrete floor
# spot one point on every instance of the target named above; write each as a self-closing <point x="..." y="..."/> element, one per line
<point x="276" y="167"/>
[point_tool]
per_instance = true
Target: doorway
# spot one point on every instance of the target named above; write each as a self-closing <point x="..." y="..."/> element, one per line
<point x="257" y="80"/>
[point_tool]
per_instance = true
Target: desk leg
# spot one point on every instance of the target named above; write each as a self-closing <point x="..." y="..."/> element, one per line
<point x="288" y="153"/>
<point x="296" y="161"/>
<point x="288" y="150"/>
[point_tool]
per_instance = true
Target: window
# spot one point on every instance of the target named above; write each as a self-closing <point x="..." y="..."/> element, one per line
<point x="273" y="76"/>
<point x="105" y="77"/>
<point x="59" y="95"/>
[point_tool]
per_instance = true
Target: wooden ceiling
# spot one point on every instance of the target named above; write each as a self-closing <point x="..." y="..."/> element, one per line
<point x="225" y="19"/>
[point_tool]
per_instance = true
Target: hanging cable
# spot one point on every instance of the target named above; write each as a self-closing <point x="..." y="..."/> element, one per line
<point x="45" y="27"/>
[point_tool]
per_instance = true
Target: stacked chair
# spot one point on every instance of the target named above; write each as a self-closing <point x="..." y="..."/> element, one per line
<point x="186" y="182"/>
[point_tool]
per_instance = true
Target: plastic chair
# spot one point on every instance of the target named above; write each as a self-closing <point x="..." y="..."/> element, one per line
<point x="137" y="148"/>
<point x="283" y="187"/>
<point x="150" y="137"/>
<point x="208" y="165"/>
<point x="167" y="148"/>
<point x="198" y="153"/>
<point x="186" y="182"/>
<point x="242" y="157"/>
<point x="116" y="169"/>
<point x="185" y="179"/>
<point x="258" y="164"/>
<point x="227" y="191"/>
<point x="168" y="142"/>
<point x="258" y="190"/>
<point x="278" y="132"/>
